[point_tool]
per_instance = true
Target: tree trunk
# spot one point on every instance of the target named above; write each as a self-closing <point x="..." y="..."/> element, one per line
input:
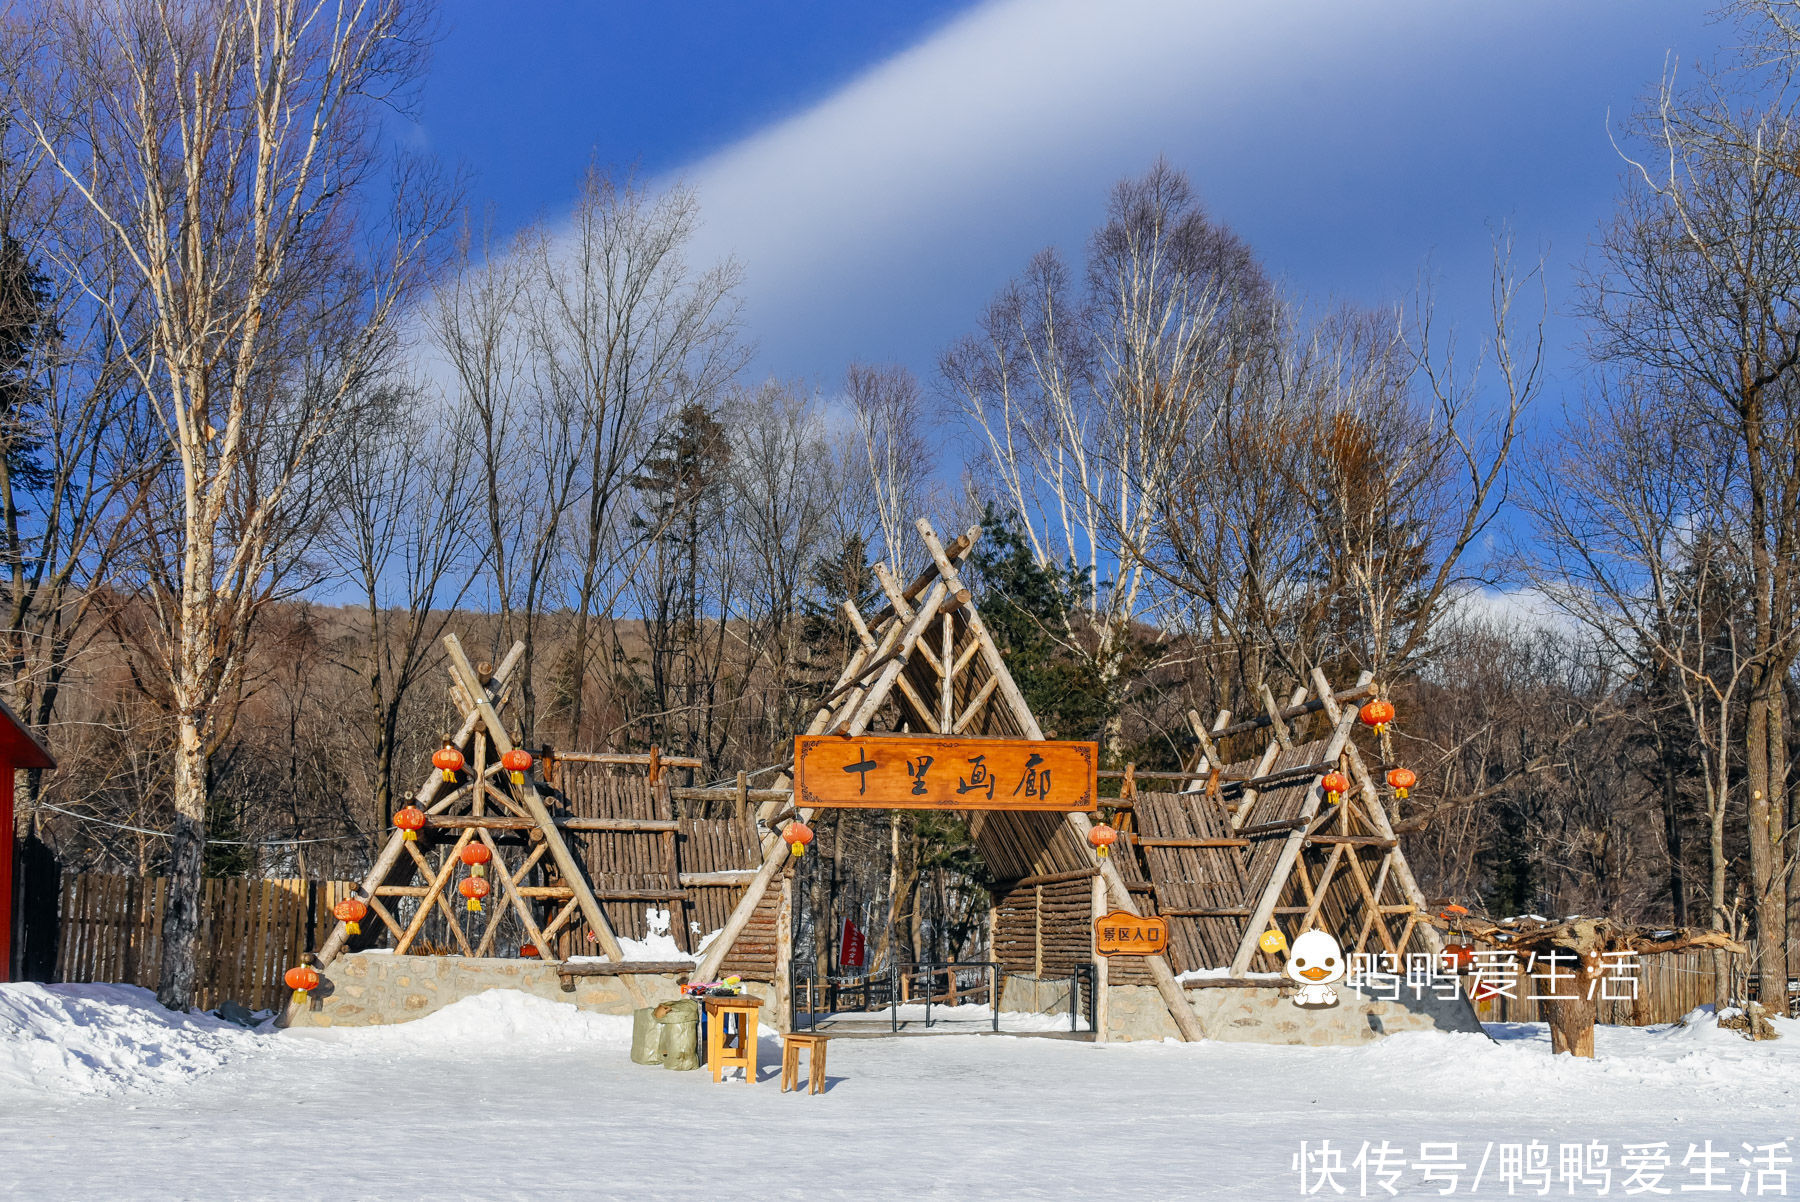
<point x="187" y="849"/>
<point x="1672" y="829"/>
<point x="1571" y="1026"/>
<point x="1767" y="873"/>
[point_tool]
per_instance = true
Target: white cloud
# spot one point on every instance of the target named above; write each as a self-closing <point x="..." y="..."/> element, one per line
<point x="877" y="222"/>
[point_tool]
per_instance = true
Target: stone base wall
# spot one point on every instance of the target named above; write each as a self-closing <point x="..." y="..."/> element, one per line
<point x="1023" y="993"/>
<point x="364" y="989"/>
<point x="1251" y="1015"/>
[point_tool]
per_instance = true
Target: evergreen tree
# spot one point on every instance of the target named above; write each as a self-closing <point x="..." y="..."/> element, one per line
<point x="1033" y="611"/>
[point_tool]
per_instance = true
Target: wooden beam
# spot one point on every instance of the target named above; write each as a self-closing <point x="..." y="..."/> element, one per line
<point x="495" y="822"/>
<point x="973" y="709"/>
<point x="1209" y="751"/>
<point x="1296" y="710"/>
<point x="1270" y="753"/>
<point x="423" y="796"/>
<point x="566" y="864"/>
<point x="1290" y="851"/>
<point x="736" y="876"/>
<point x="1052" y="878"/>
<point x="725" y="793"/>
<point x="629" y="759"/>
<point x="957" y="551"/>
<point x="1185" y="1020"/>
<point x="1377" y="814"/>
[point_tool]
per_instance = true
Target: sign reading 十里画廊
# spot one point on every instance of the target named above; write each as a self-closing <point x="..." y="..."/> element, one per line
<point x="1123" y="933"/>
<point x="926" y="773"/>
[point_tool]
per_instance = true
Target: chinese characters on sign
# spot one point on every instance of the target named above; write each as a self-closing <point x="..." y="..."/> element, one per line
<point x="1122" y="933"/>
<point x="922" y="772"/>
<point x="1590" y="1169"/>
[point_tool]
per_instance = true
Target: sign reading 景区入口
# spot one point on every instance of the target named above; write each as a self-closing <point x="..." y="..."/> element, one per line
<point x="927" y="773"/>
<point x="1122" y="933"/>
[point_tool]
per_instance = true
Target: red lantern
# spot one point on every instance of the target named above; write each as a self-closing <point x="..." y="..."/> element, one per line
<point x="302" y="980"/>
<point x="518" y="762"/>
<point x="474" y="888"/>
<point x="1458" y="957"/>
<point x="798" y="835"/>
<point x="528" y="950"/>
<point x="476" y="855"/>
<point x="350" y="912"/>
<point x="1378" y="713"/>
<point x="1102" y="837"/>
<point x="412" y="821"/>
<point x="1401" y="779"/>
<point x="1335" y="786"/>
<point x="450" y="760"/>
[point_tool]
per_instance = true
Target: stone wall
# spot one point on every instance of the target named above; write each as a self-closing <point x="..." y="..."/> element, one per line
<point x="1257" y="1014"/>
<point x="364" y="989"/>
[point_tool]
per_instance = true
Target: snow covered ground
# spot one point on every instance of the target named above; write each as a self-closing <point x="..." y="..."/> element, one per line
<point x="102" y="1095"/>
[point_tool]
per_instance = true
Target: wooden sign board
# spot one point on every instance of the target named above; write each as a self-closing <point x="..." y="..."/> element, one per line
<point x="908" y="772"/>
<point x="1123" y="933"/>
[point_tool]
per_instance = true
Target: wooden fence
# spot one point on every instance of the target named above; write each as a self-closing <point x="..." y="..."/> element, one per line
<point x="251" y="932"/>
<point x="1669" y="985"/>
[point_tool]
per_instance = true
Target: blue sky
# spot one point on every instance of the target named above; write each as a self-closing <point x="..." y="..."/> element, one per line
<point x="881" y="169"/>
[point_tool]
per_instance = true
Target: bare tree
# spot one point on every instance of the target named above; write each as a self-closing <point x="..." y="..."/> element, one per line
<point x="893" y="443"/>
<point x="1696" y="286"/>
<point x="401" y="535"/>
<point x="223" y="147"/>
<point x="75" y="446"/>
<point x="528" y="450"/>
<point x="1627" y="547"/>
<point x="1086" y="401"/>
<point x="629" y="333"/>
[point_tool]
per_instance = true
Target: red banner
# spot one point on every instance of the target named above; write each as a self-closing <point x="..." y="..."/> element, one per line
<point x="851" y="945"/>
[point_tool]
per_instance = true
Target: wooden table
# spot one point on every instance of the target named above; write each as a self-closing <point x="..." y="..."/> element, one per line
<point x="739" y="1050"/>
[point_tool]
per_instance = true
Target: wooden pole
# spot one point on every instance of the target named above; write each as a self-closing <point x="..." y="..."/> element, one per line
<point x="1290" y="851"/>
<point x="396" y="844"/>
<point x="1274" y="749"/>
<point x="566" y="863"/>
<point x="1371" y="798"/>
<point x="1164" y="977"/>
<point x="775" y="853"/>
<point x="782" y="1019"/>
<point x="1102" y="999"/>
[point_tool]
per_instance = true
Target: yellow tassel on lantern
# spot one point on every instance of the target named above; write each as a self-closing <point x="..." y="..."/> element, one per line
<point x="518" y="778"/>
<point x="299" y="997"/>
<point x="1104" y="850"/>
<point x="797" y="849"/>
<point x="478" y="870"/>
<point x="412" y="836"/>
<point x="474" y="906"/>
<point x="352" y="928"/>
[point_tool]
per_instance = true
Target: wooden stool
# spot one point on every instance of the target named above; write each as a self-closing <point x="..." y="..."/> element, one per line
<point x="739" y="1050"/>
<point x="790" y="1062"/>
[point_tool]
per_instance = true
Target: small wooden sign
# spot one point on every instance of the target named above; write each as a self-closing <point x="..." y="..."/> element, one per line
<point x="921" y="772"/>
<point x="1122" y="933"/>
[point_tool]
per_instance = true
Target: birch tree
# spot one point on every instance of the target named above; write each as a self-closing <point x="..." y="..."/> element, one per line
<point x="226" y="148"/>
<point x="1085" y="396"/>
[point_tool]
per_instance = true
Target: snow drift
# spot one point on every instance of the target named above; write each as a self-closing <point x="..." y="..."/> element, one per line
<point x="91" y="1039"/>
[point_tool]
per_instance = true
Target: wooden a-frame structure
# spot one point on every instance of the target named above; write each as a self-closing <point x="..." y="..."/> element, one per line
<point x="1243" y="847"/>
<point x="1256" y="844"/>
<point x="929" y="654"/>
<point x="482" y="803"/>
